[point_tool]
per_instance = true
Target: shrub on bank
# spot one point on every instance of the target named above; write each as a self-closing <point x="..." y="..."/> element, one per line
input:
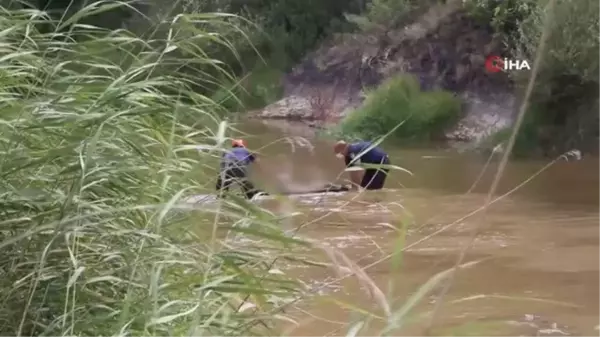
<point x="534" y="138"/>
<point x="399" y="100"/>
<point x="566" y="94"/>
<point x="527" y="141"/>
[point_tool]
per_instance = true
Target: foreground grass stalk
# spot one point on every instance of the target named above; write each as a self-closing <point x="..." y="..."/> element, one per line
<point x="95" y="133"/>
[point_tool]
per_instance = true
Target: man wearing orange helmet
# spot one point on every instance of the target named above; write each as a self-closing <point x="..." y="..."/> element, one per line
<point x="234" y="167"/>
<point x="365" y="153"/>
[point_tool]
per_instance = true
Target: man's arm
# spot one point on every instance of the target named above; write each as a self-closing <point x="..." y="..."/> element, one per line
<point x="253" y="158"/>
<point x="355" y="176"/>
<point x="222" y="164"/>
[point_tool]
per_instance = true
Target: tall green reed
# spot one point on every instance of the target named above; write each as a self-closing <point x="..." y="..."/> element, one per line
<point x="95" y="137"/>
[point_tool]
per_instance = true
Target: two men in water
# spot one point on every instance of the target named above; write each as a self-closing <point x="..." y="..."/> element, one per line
<point x="235" y="162"/>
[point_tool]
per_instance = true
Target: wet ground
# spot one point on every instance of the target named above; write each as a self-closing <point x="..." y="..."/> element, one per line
<point x="539" y="245"/>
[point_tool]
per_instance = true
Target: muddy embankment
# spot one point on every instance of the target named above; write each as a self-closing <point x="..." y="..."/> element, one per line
<point x="443" y="48"/>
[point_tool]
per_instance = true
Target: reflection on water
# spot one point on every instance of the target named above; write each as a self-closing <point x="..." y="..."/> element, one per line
<point x="541" y="243"/>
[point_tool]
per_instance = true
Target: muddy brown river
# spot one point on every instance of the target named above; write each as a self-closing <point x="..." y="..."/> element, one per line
<point x="539" y="244"/>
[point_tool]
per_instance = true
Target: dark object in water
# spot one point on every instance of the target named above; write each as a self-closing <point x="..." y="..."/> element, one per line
<point x="328" y="188"/>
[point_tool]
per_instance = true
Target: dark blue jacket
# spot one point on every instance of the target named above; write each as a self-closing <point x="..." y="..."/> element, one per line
<point x="374" y="156"/>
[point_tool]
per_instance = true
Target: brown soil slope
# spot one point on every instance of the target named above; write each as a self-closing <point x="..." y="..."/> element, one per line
<point x="443" y="48"/>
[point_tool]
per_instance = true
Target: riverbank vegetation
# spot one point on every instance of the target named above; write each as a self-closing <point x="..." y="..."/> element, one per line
<point x="564" y="106"/>
<point x="563" y="112"/>
<point x="95" y="138"/>
<point x="277" y="34"/>
<point x="422" y="115"/>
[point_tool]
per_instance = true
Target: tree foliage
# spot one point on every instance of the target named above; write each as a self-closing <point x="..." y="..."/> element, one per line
<point x="566" y="96"/>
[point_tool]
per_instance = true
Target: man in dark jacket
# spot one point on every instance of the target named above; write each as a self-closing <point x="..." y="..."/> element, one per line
<point x="234" y="168"/>
<point x="357" y="153"/>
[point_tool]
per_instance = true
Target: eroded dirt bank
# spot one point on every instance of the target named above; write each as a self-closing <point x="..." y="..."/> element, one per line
<point x="443" y="48"/>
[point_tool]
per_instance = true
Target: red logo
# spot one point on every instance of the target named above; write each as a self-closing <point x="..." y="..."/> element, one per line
<point x="494" y="64"/>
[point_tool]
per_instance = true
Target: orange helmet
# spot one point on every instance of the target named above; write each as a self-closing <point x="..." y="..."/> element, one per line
<point x="238" y="143"/>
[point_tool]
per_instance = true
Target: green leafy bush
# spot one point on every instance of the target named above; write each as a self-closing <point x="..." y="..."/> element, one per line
<point x="566" y="96"/>
<point x="424" y="115"/>
<point x="504" y="17"/>
<point x="528" y="138"/>
<point x="382" y="13"/>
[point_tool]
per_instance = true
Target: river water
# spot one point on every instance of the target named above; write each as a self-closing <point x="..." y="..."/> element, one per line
<point x="539" y="244"/>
